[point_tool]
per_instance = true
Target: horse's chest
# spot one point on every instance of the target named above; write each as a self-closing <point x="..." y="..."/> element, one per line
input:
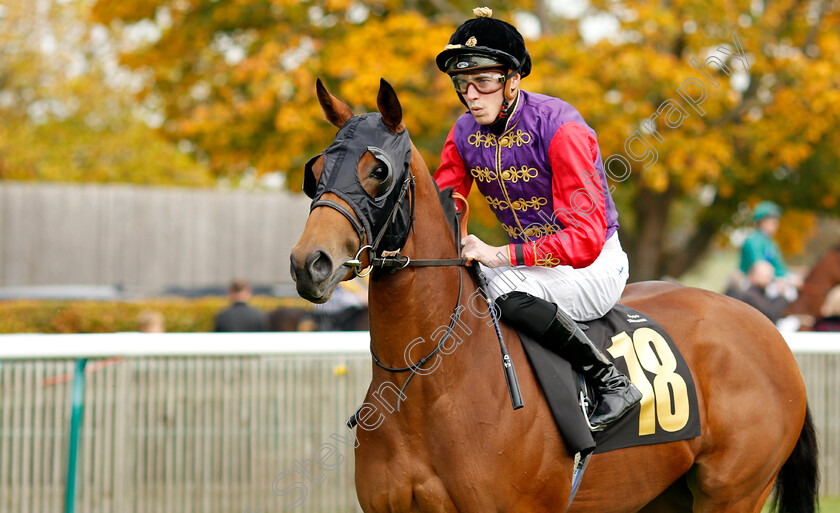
<point x="417" y="479"/>
<point x="402" y="487"/>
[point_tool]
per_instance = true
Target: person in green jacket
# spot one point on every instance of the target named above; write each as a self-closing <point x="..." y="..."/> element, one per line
<point x="760" y="245"/>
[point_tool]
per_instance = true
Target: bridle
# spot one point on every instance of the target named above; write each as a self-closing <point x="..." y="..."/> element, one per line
<point x="394" y="261"/>
<point x="365" y="213"/>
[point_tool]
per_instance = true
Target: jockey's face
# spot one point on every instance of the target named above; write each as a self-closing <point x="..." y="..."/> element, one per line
<point x="485" y="107"/>
<point x="769" y="225"/>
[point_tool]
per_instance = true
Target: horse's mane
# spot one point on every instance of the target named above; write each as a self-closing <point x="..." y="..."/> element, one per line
<point x="449" y="211"/>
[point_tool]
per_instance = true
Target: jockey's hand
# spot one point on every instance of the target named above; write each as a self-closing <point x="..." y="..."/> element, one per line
<point x="474" y="248"/>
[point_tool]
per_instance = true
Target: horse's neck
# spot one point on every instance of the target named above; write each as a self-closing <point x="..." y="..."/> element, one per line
<point x="417" y="296"/>
<point x="419" y="302"/>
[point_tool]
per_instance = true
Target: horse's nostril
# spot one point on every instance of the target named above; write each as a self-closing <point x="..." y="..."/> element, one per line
<point x="319" y="265"/>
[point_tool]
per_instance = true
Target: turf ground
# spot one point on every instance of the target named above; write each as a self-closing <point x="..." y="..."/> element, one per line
<point x="827" y="505"/>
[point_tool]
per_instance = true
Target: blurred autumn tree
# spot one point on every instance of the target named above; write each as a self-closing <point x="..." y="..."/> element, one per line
<point x="766" y="132"/>
<point x="236" y="79"/>
<point x="65" y="115"/>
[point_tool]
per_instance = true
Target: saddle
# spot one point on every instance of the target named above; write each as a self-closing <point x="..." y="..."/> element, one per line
<point x="639" y="347"/>
<point x="642" y="350"/>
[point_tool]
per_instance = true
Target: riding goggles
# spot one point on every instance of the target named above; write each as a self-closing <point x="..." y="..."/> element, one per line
<point x="484" y="83"/>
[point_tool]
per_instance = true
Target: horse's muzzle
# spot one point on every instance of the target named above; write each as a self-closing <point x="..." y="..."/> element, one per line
<point x="316" y="278"/>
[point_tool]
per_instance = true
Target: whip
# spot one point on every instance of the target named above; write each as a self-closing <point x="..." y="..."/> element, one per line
<point x="507" y="362"/>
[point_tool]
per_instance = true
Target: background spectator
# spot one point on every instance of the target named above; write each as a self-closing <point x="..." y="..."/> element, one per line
<point x="150" y="321"/>
<point x="760" y="245"/>
<point x="830" y="312"/>
<point x="761" y="291"/>
<point x="239" y="316"/>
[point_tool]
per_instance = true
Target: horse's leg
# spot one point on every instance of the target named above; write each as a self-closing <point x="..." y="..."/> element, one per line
<point x="676" y="499"/>
<point x="752" y="503"/>
<point x="755" y="402"/>
<point x="635" y="476"/>
<point x="752" y="398"/>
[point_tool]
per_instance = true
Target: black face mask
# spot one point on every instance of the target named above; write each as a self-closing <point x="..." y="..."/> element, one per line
<point x="386" y="217"/>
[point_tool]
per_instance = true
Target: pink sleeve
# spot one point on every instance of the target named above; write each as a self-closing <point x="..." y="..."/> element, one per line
<point x="452" y="172"/>
<point x="579" y="204"/>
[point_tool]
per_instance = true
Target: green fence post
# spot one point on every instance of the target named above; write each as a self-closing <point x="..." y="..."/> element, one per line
<point x="77" y="399"/>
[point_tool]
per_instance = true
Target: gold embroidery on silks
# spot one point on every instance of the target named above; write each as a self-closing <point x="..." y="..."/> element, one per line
<point x="524" y="173"/>
<point x="524" y="204"/>
<point x="477" y="139"/>
<point x="533" y="230"/>
<point x="483" y="174"/>
<point x="520" y="204"/>
<point x="548" y="261"/>
<point x="498" y="204"/>
<point x="518" y="138"/>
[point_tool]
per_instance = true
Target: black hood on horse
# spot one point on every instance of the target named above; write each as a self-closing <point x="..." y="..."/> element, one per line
<point x="368" y="133"/>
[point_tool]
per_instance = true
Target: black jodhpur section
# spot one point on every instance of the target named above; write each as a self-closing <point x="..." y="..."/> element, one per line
<point x="525" y="312"/>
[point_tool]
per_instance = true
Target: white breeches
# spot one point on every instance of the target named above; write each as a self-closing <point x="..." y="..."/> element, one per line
<point x="585" y="294"/>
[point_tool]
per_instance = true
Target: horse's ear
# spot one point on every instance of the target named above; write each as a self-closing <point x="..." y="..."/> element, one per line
<point x="389" y="107"/>
<point x="337" y="111"/>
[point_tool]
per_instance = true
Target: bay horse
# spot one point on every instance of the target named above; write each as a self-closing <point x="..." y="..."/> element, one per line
<point x="820" y="280"/>
<point x="454" y="444"/>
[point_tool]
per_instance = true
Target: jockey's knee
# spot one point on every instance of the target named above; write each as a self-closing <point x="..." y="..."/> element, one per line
<point x="523" y="310"/>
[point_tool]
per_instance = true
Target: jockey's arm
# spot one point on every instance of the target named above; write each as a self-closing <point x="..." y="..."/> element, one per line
<point x="452" y="172"/>
<point x="579" y="204"/>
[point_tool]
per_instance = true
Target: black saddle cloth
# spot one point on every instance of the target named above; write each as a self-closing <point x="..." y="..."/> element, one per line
<point x="644" y="352"/>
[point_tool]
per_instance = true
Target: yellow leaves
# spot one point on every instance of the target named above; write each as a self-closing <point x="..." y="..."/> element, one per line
<point x="396" y="47"/>
<point x="655" y="178"/>
<point x="793" y="153"/>
<point x="725" y="190"/>
<point x="337" y="5"/>
<point x="283" y="4"/>
<point x="260" y="109"/>
<point x="67" y="152"/>
<point x="796" y="228"/>
<point x="125" y="10"/>
<point x="829" y="43"/>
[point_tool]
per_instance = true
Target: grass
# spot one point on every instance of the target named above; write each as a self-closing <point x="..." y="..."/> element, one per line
<point x="830" y="504"/>
<point x="827" y="505"/>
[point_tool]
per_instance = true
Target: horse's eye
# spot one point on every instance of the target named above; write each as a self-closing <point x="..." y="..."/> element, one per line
<point x="379" y="172"/>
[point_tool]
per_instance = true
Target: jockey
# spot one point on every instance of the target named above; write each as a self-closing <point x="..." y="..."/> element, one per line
<point x="539" y="166"/>
<point x="760" y="244"/>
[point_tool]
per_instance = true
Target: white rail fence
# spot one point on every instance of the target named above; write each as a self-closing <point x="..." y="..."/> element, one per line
<point x="227" y="422"/>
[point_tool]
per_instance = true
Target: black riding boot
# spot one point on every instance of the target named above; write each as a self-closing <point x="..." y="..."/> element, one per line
<point x="617" y="393"/>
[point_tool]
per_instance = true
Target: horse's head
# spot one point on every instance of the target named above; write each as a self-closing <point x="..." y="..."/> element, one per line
<point x="364" y="180"/>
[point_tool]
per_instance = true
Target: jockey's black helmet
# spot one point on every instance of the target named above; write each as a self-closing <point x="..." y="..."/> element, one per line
<point x="484" y="42"/>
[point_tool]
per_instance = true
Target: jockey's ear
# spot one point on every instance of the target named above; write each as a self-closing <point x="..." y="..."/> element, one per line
<point x="511" y="85"/>
<point x="389" y="107"/>
<point x="337" y="111"/>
